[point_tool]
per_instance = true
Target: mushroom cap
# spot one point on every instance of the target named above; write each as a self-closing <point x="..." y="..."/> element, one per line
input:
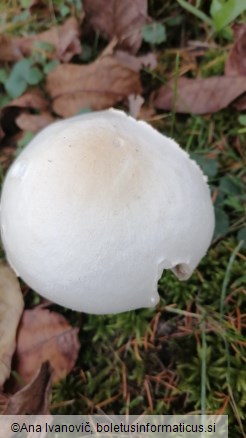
<point x="96" y="206"/>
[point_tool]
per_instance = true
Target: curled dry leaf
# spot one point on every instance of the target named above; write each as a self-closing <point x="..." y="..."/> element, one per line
<point x="200" y="96"/>
<point x="64" y="38"/>
<point x="11" y="308"/>
<point x="98" y="85"/>
<point x="122" y="20"/>
<point x="34" y="398"/>
<point x="9" y="49"/>
<point x="147" y="113"/>
<point x="34" y="122"/>
<point x="3" y="402"/>
<point x="40" y="5"/>
<point x="33" y="99"/>
<point x="135" y="63"/>
<point x="16" y="115"/>
<point x="240" y="103"/>
<point x="236" y="61"/>
<point x="42" y="336"/>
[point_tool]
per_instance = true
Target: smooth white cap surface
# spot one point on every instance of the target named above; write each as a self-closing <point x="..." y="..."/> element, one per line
<point x="95" y="208"/>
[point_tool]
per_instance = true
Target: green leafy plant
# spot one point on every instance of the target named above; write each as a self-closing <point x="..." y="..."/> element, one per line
<point x="222" y="12"/>
<point x="23" y="74"/>
<point x="154" y="33"/>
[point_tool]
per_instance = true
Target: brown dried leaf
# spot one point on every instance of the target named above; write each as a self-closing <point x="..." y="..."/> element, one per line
<point x="136" y="62"/>
<point x="34" y="122"/>
<point x="200" y="96"/>
<point x="9" y="49"/>
<point x="38" y="4"/>
<point x="11" y="308"/>
<point x="45" y="335"/>
<point x="15" y="115"/>
<point x="64" y="38"/>
<point x="33" y="99"/>
<point x="240" y="103"/>
<point x="236" y="61"/>
<point x="34" y="398"/>
<point x="123" y="20"/>
<point x="98" y="85"/>
<point x="147" y="113"/>
<point x="3" y="402"/>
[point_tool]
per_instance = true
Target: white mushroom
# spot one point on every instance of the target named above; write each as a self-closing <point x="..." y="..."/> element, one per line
<point x="97" y="206"/>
